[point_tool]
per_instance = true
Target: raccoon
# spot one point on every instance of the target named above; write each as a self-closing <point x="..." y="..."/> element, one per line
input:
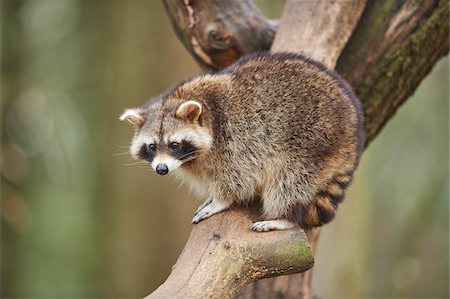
<point x="280" y="128"/>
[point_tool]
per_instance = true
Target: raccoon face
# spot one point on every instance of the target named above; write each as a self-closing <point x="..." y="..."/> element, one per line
<point x="168" y="135"/>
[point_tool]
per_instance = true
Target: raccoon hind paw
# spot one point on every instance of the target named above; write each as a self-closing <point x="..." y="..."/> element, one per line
<point x="268" y="225"/>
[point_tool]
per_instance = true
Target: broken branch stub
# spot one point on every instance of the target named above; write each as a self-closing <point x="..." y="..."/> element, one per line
<point x="218" y="32"/>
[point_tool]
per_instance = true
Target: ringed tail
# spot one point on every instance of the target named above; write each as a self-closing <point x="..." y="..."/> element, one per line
<point x="324" y="205"/>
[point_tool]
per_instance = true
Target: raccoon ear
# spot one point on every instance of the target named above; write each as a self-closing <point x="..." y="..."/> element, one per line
<point x="133" y="116"/>
<point x="189" y="110"/>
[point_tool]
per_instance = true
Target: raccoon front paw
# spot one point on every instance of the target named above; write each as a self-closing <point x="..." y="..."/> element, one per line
<point x="204" y="204"/>
<point x="265" y="226"/>
<point x="207" y="210"/>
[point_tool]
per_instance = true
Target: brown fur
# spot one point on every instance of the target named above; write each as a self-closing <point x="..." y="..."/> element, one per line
<point x="282" y="127"/>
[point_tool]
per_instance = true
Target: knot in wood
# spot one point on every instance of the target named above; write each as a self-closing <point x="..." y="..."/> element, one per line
<point x="216" y="236"/>
<point x="218" y="39"/>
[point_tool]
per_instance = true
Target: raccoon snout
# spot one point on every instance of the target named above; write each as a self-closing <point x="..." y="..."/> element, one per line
<point x="162" y="169"/>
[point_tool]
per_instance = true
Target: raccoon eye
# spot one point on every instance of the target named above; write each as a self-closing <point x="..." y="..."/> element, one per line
<point x="151" y="147"/>
<point x="174" y="145"/>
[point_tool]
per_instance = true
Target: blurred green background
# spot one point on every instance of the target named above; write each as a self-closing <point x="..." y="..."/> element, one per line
<point x="78" y="221"/>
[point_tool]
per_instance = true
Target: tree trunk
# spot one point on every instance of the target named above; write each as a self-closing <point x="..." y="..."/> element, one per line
<point x="393" y="47"/>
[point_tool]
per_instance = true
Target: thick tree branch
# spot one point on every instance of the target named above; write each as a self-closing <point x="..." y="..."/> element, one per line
<point x="395" y="45"/>
<point x="223" y="254"/>
<point x="319" y="29"/>
<point x="218" y="32"/>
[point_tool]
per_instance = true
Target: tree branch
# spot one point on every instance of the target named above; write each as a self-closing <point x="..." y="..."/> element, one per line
<point x="393" y="49"/>
<point x="223" y="254"/>
<point x="218" y="32"/>
<point x="329" y="25"/>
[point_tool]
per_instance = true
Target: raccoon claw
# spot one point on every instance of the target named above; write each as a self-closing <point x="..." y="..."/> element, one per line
<point x="205" y="211"/>
<point x="204" y="204"/>
<point x="261" y="226"/>
<point x="265" y="226"/>
<point x="200" y="216"/>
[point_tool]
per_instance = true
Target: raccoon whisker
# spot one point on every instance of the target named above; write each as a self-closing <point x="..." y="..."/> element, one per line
<point x="118" y="154"/>
<point x="122" y="146"/>
<point x="135" y="163"/>
<point x="130" y="164"/>
<point x="187" y="156"/>
<point x="191" y="153"/>
<point x="189" y="159"/>
<point x="193" y="157"/>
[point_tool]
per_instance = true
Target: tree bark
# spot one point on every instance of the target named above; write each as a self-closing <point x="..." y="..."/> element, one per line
<point x="329" y="26"/>
<point x="218" y="32"/>
<point x="223" y="254"/>
<point x="394" y="46"/>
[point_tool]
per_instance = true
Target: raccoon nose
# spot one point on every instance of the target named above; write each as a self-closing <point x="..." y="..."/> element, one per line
<point x="162" y="169"/>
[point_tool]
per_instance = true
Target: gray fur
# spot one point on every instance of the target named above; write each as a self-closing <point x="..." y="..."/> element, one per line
<point x="282" y="128"/>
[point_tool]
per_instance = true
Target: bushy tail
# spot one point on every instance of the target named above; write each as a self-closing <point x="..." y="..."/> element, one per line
<point x="323" y="208"/>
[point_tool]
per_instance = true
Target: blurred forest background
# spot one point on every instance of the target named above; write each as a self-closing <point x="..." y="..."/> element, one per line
<point x="78" y="221"/>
